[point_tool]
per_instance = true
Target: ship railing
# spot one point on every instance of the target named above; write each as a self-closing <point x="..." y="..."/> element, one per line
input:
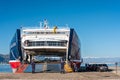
<point x="36" y="27"/>
<point x="45" y="43"/>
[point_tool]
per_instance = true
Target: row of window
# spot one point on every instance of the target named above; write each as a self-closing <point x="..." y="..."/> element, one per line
<point x="45" y="43"/>
<point x="28" y="33"/>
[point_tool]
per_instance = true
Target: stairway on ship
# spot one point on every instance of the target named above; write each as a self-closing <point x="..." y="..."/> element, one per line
<point x="22" y="68"/>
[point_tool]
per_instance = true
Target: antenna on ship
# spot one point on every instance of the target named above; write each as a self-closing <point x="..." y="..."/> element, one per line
<point x="45" y="24"/>
<point x="40" y="25"/>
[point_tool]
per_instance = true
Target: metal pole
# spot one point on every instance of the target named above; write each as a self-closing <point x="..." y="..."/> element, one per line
<point x="116" y="66"/>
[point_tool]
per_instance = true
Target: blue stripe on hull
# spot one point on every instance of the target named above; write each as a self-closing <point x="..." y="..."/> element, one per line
<point x="70" y="42"/>
<point x="74" y="46"/>
<point x="15" y="46"/>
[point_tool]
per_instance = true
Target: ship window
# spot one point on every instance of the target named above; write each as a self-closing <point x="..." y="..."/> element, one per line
<point x="34" y="33"/>
<point x="47" y="43"/>
<point x="60" y="32"/>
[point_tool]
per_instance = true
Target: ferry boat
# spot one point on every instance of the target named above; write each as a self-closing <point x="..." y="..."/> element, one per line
<point x="45" y="41"/>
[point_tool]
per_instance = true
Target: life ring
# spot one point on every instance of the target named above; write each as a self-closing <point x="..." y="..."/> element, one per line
<point x="26" y="42"/>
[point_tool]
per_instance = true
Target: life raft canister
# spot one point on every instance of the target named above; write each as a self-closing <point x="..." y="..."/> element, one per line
<point x="54" y="29"/>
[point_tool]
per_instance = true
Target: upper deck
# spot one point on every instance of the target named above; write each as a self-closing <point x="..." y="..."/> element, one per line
<point x="50" y="38"/>
<point x="39" y="31"/>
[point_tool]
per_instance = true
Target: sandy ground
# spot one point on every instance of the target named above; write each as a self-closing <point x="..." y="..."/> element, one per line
<point x="58" y="76"/>
<point x="115" y="70"/>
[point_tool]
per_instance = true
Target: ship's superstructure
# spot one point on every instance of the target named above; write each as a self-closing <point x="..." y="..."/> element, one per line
<point x="45" y="41"/>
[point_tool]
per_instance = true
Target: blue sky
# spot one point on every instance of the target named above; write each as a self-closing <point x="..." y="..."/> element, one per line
<point x="97" y="22"/>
